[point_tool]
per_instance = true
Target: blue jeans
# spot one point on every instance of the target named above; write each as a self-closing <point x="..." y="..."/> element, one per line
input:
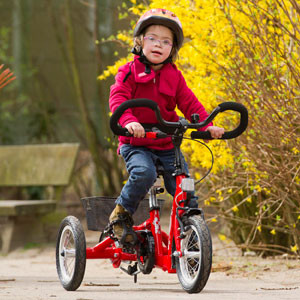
<point x="140" y="164"/>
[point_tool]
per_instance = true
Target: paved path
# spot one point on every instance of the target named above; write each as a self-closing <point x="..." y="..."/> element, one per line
<point x="31" y="274"/>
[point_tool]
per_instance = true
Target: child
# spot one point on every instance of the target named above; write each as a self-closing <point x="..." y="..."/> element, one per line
<point x="152" y="74"/>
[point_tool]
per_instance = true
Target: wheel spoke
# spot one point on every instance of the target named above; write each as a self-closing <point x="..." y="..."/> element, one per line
<point x="67" y="238"/>
<point x="68" y="253"/>
<point x="70" y="267"/>
<point x="191" y="255"/>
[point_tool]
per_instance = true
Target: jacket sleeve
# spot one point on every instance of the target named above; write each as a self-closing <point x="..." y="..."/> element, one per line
<point x="188" y="103"/>
<point x="121" y="91"/>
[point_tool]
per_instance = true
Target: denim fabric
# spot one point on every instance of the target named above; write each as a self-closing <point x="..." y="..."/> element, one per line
<point x="140" y="164"/>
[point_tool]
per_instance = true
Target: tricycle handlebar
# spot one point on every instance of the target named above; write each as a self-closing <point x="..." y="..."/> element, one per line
<point x="165" y="125"/>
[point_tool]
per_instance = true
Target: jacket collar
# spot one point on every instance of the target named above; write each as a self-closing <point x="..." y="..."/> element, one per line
<point x="168" y="78"/>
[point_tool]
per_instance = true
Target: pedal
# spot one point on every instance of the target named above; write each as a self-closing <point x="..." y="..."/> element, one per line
<point x="108" y="231"/>
<point x="132" y="271"/>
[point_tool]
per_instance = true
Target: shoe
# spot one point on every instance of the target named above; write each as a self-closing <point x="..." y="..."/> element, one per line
<point x="122" y="224"/>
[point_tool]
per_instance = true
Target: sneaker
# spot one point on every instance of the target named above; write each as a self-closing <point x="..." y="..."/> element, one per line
<point x="122" y="224"/>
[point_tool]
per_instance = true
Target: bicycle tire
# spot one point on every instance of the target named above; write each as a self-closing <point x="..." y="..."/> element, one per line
<point x="70" y="253"/>
<point x="194" y="267"/>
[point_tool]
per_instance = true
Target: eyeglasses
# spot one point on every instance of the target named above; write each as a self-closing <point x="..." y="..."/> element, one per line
<point x="163" y="43"/>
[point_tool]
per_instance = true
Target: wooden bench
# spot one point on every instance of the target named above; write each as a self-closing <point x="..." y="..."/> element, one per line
<point x="48" y="165"/>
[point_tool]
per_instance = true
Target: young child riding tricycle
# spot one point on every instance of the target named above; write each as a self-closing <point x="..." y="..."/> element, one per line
<point x="143" y="102"/>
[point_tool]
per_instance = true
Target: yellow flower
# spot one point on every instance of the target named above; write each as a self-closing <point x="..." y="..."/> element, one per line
<point x="235" y="208"/>
<point x="259" y="228"/>
<point x="214" y="220"/>
<point x="222" y="237"/>
<point x="258" y="188"/>
<point x="241" y="192"/>
<point x="294" y="248"/>
<point x="295" y="150"/>
<point x="273" y="231"/>
<point x="197" y="175"/>
<point x="249" y="199"/>
<point x="207" y="202"/>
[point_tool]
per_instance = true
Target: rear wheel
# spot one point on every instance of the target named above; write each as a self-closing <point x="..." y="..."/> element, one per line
<point x="70" y="253"/>
<point x="193" y="268"/>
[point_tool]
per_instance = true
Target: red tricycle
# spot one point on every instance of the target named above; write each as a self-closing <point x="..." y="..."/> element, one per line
<point x="186" y="250"/>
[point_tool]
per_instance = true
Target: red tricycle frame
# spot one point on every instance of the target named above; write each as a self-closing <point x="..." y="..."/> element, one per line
<point x="186" y="250"/>
<point x="163" y="242"/>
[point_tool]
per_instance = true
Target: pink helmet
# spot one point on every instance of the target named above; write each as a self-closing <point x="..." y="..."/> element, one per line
<point x="163" y="17"/>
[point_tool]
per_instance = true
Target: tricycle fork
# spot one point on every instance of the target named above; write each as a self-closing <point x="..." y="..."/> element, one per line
<point x="177" y="211"/>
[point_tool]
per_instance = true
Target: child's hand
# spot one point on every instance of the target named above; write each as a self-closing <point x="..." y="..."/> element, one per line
<point x="136" y="129"/>
<point x="215" y="131"/>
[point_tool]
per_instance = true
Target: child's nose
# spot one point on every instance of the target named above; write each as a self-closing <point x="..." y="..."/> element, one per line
<point x="158" y="42"/>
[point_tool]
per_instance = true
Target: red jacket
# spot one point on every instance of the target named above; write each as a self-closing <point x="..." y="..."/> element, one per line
<point x="166" y="87"/>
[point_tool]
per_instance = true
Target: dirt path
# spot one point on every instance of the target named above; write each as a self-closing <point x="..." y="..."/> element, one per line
<point x="31" y="274"/>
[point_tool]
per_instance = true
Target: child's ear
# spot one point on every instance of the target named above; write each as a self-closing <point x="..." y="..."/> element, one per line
<point x="138" y="45"/>
<point x="136" y="51"/>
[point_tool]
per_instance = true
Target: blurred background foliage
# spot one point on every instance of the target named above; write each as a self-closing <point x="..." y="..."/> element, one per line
<point x="64" y="52"/>
<point x="56" y="49"/>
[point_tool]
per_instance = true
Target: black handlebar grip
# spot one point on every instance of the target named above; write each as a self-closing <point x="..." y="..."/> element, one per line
<point x="205" y="135"/>
<point x="141" y="102"/>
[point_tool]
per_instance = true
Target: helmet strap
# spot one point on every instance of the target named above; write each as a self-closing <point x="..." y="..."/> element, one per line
<point x="144" y="60"/>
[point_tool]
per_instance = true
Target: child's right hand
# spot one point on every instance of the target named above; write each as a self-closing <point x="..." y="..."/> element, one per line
<point x="136" y="129"/>
<point x="215" y="131"/>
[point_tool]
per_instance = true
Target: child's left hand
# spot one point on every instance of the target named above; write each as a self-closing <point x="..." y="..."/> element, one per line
<point x="215" y="131"/>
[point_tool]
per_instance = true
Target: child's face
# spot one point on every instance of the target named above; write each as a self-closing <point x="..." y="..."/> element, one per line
<point x="158" y="42"/>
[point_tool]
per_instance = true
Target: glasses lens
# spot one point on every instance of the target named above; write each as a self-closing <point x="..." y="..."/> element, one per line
<point x="163" y="43"/>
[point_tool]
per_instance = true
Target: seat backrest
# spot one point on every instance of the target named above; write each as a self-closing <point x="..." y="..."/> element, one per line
<point x="37" y="165"/>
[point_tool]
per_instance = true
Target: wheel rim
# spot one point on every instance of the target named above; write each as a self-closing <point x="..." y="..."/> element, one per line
<point x="67" y="254"/>
<point x="190" y="262"/>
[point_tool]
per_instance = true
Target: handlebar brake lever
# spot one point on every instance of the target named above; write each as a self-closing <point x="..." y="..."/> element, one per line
<point x="153" y="133"/>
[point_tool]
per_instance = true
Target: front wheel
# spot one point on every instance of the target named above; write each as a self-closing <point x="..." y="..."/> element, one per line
<point x="70" y="253"/>
<point x="193" y="268"/>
